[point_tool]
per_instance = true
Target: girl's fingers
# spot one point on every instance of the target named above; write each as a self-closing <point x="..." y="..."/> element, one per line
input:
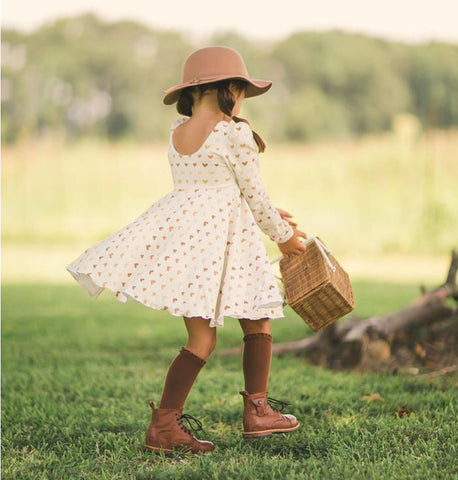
<point x="302" y="248"/>
<point x="284" y="212"/>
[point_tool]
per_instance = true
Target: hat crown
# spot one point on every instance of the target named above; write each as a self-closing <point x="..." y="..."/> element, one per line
<point x="213" y="62"/>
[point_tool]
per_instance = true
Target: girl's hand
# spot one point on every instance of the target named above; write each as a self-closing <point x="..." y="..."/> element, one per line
<point x="293" y="246"/>
<point x="285" y="215"/>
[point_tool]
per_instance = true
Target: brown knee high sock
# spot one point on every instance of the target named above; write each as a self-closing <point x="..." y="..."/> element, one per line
<point x="180" y="377"/>
<point x="257" y="356"/>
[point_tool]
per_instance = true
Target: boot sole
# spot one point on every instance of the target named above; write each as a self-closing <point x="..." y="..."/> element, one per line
<point x="168" y="451"/>
<point x="268" y="433"/>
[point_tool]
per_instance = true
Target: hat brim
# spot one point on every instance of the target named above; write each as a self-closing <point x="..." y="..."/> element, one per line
<point x="255" y="87"/>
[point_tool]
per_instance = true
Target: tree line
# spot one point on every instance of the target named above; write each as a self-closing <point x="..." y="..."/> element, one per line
<point x="81" y="76"/>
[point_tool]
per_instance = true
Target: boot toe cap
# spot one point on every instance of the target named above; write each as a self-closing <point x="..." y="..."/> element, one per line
<point x="291" y="418"/>
<point x="205" y="446"/>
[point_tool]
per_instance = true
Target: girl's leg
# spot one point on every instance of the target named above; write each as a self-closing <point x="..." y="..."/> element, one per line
<point x="187" y="364"/>
<point x="260" y="418"/>
<point x="201" y="337"/>
<point x="257" y="353"/>
<point x="255" y="326"/>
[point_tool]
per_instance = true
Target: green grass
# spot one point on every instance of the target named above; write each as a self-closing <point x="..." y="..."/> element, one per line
<point x="78" y="374"/>
<point x="371" y="196"/>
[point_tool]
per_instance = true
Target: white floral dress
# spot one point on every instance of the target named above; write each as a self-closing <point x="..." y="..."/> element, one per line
<point x="197" y="250"/>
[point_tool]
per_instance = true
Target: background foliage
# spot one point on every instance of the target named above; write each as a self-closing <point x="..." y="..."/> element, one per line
<point x="81" y="76"/>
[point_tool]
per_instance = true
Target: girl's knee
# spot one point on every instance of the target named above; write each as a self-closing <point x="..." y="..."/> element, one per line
<point x="261" y="325"/>
<point x="202" y="346"/>
<point x="211" y="344"/>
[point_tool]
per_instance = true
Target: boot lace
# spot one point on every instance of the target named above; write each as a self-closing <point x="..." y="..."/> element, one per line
<point x="277" y="405"/>
<point x="194" y="423"/>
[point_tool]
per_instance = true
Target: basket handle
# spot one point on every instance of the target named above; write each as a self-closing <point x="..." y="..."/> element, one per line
<point x="321" y="246"/>
<point x="324" y="251"/>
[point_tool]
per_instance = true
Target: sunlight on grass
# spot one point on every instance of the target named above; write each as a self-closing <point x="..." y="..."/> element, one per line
<point x="385" y="207"/>
<point x="371" y="196"/>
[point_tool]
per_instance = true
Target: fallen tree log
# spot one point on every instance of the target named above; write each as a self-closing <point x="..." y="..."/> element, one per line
<point x="357" y="342"/>
<point x="370" y="342"/>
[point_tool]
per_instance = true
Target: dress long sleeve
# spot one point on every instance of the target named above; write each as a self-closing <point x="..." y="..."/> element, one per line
<point x="244" y="160"/>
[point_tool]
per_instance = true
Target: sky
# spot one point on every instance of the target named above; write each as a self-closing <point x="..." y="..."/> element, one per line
<point x="401" y="20"/>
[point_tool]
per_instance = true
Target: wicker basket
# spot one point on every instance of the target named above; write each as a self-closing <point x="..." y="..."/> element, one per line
<point x="315" y="286"/>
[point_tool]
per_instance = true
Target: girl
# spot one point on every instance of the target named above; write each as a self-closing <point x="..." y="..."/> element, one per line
<point x="197" y="253"/>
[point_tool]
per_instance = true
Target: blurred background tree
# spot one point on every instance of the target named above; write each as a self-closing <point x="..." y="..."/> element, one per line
<point x="80" y="76"/>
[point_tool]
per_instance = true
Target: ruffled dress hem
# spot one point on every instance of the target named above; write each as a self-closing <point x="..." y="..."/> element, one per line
<point x="94" y="289"/>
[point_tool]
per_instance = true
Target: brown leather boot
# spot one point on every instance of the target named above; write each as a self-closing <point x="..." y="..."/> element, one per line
<point x="167" y="432"/>
<point x="261" y="418"/>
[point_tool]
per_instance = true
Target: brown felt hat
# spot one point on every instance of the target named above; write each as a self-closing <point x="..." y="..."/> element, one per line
<point x="210" y="64"/>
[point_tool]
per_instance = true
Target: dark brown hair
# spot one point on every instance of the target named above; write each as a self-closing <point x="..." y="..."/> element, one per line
<point x="225" y="98"/>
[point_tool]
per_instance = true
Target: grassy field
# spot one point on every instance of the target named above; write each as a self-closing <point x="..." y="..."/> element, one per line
<point x="78" y="374"/>
<point x="374" y="196"/>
